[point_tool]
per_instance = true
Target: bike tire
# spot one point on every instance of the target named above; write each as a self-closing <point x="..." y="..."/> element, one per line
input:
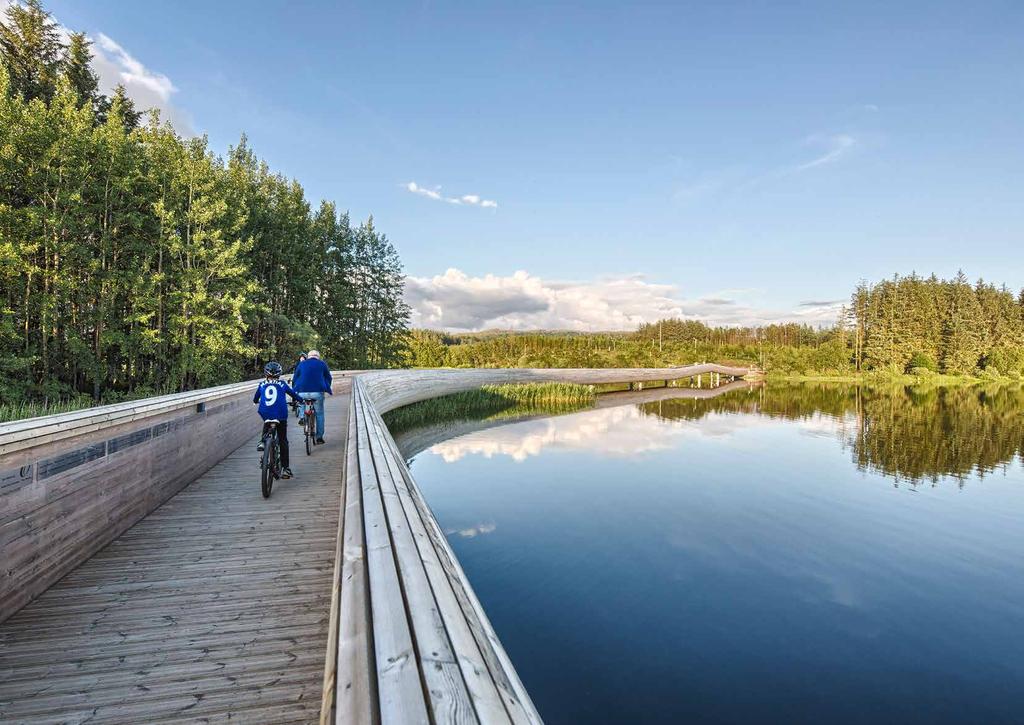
<point x="267" y="467"/>
<point x="309" y="444"/>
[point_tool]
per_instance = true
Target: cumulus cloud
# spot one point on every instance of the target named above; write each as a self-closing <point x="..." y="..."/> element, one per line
<point x="459" y="302"/>
<point x="149" y="89"/>
<point x="115" y="66"/>
<point x="465" y="199"/>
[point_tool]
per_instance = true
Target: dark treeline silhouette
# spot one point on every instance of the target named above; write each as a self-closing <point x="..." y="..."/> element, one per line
<point x="135" y="260"/>
<point x="909" y="433"/>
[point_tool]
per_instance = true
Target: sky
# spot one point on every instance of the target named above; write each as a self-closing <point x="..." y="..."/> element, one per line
<point x="596" y="165"/>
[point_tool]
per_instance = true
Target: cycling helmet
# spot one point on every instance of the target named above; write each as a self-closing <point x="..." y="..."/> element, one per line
<point x="272" y="369"/>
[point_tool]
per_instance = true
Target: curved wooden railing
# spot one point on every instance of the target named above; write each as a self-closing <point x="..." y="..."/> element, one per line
<point x="409" y="640"/>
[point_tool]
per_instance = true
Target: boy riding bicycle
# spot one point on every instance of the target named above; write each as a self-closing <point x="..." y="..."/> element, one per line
<point x="269" y="397"/>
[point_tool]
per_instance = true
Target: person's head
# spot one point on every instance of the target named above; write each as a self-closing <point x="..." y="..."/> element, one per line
<point x="302" y="356"/>
<point x="272" y="370"/>
<point x="315" y="354"/>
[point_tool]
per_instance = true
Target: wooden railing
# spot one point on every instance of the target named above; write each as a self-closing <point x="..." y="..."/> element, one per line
<point x="409" y="640"/>
<point x="71" y="483"/>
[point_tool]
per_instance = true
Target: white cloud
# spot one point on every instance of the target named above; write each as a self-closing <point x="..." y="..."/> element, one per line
<point x="436" y="195"/>
<point x="149" y="89"/>
<point x="114" y="66"/>
<point x="417" y="189"/>
<point x="134" y="73"/>
<point x="837" y="147"/>
<point x="521" y="301"/>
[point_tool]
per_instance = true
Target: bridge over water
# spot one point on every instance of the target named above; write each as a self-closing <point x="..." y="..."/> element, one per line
<point x="143" y="577"/>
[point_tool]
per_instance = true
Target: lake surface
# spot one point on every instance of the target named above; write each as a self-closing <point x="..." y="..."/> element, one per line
<point x="789" y="553"/>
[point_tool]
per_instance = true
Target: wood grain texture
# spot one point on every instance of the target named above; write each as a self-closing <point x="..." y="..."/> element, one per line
<point x="214" y="606"/>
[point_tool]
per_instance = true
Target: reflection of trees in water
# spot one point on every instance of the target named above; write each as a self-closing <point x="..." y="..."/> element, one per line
<point x="913" y="434"/>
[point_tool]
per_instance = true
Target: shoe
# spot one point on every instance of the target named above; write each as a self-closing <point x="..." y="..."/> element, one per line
<point x="319" y="441"/>
<point x="302" y="422"/>
<point x="286" y="473"/>
<point x="259" y="446"/>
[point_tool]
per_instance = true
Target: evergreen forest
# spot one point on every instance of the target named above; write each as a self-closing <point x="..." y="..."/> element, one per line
<point x="136" y="260"/>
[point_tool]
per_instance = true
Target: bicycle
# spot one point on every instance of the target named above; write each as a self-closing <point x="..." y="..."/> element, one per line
<point x="309" y="424"/>
<point x="270" y="462"/>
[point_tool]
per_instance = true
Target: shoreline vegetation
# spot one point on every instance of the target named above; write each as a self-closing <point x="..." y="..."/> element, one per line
<point x="902" y="329"/>
<point x="492" y="402"/>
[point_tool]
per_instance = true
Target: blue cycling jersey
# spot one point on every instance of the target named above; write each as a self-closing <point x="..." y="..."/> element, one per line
<point x="270" y="397"/>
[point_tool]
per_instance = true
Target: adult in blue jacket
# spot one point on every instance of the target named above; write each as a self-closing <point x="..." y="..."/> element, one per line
<point x="311" y="380"/>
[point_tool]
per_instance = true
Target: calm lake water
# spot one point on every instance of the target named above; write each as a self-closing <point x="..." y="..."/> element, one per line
<point x="791" y="553"/>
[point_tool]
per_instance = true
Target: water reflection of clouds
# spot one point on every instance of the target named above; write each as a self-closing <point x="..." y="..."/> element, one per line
<point x="620" y="432"/>
<point x="472" y="531"/>
<point x="820" y="425"/>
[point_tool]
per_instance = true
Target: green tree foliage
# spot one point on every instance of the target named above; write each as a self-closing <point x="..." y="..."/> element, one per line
<point x="135" y="260"/>
<point x="900" y="325"/>
<point x="77" y="67"/>
<point x="786" y="348"/>
<point x="917" y="434"/>
<point x="31" y="50"/>
<point x="910" y="322"/>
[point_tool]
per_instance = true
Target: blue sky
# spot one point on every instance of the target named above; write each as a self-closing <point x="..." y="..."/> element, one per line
<point x="731" y="161"/>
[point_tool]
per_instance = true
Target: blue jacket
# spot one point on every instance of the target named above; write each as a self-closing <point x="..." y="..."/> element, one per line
<point x="312" y="376"/>
<point x="270" y="397"/>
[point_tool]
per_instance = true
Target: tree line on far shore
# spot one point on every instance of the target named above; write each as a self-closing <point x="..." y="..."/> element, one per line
<point x="901" y="325"/>
<point x="891" y="429"/>
<point x="135" y="260"/>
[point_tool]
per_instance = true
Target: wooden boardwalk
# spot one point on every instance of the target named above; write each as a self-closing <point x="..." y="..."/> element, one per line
<point x="338" y="599"/>
<point x="214" y="607"/>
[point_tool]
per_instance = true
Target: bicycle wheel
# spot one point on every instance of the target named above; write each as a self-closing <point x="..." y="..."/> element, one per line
<point x="267" y="466"/>
<point x="309" y="442"/>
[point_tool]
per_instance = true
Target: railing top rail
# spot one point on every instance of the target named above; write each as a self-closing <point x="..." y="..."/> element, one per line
<point x="27" y="433"/>
<point x="21" y="434"/>
<point x="392" y="388"/>
<point x="169" y="399"/>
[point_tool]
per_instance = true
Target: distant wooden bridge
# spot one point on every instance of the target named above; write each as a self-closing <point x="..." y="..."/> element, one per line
<point x="143" y="578"/>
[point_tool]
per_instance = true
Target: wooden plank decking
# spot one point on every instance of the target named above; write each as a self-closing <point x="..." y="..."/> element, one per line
<point x="213" y="607"/>
<point x="338" y="599"/>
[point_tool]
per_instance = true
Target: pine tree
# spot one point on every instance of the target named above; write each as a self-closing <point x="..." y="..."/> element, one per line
<point x="964" y="335"/>
<point x="77" y="68"/>
<point x="30" y="50"/>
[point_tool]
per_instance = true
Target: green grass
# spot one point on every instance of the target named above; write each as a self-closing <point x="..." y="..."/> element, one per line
<point x="32" y="409"/>
<point x="493" y="401"/>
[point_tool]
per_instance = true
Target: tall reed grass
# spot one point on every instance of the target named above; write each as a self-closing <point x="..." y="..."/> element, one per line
<point x="33" y="409"/>
<point x="492" y="401"/>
